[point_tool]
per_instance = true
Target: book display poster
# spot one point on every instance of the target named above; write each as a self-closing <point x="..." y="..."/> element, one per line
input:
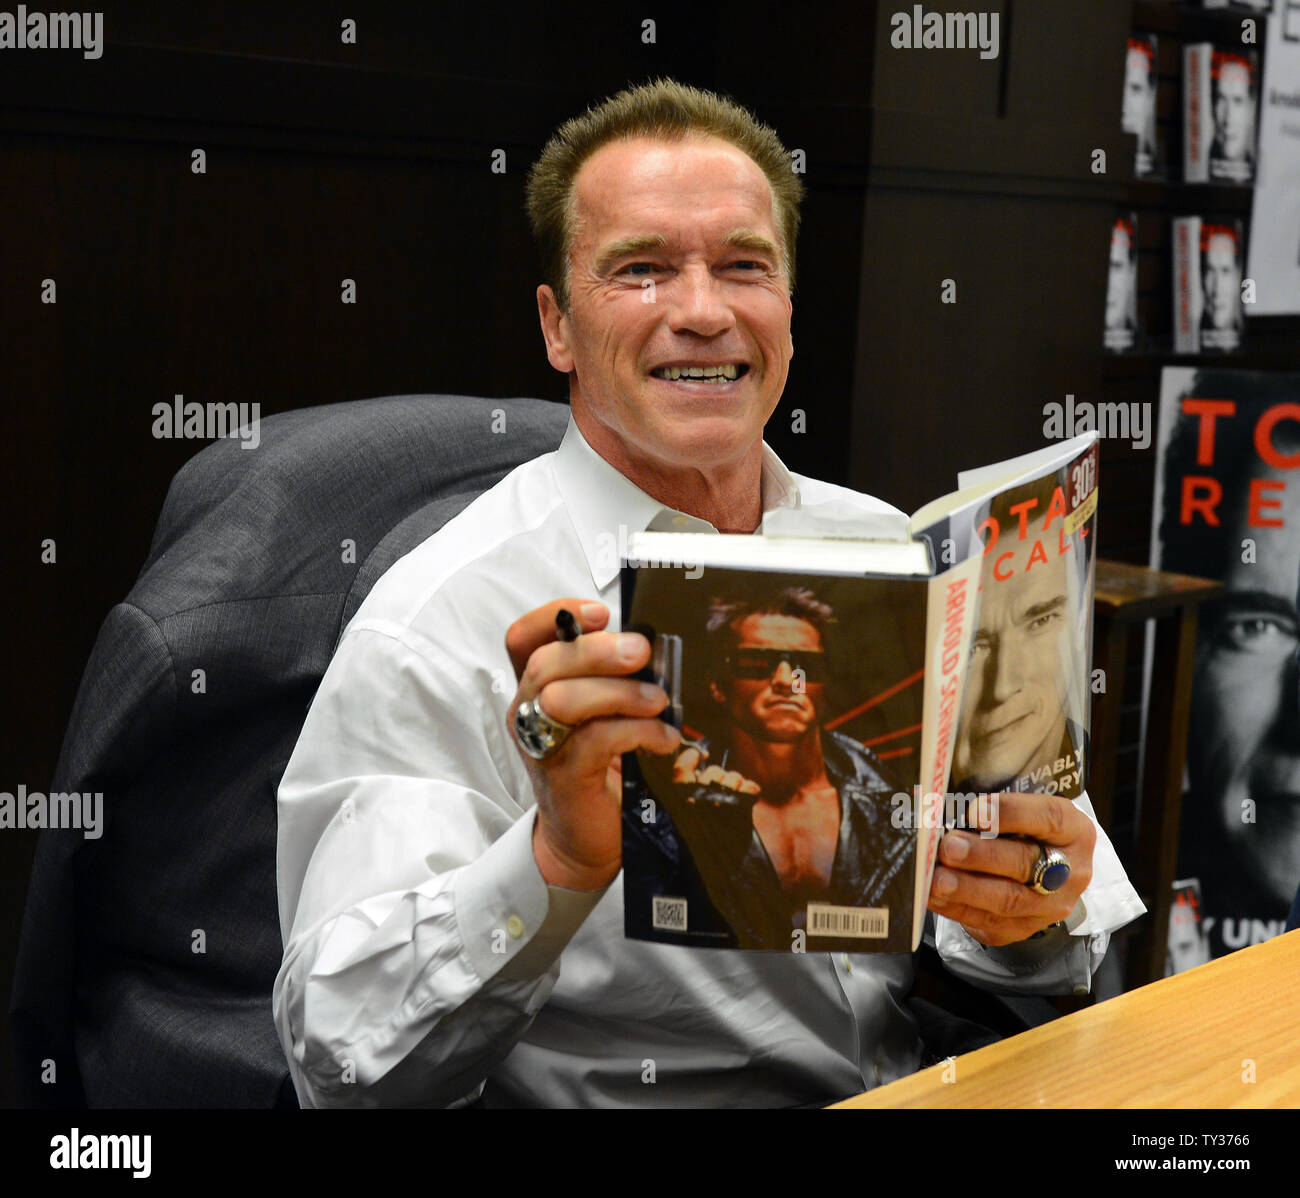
<point x="1228" y="508"/>
<point x="1274" y="261"/>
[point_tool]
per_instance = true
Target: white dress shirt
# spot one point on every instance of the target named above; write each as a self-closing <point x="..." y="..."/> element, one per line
<point x="426" y="960"/>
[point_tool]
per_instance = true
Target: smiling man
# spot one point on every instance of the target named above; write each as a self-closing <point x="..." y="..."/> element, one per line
<point x="446" y="858"/>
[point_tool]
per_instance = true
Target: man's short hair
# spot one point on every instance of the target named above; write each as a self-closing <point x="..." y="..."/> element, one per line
<point x="726" y="611"/>
<point x="669" y="111"/>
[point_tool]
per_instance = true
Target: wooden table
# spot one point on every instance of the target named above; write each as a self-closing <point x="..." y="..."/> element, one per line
<point x="1185" y="1041"/>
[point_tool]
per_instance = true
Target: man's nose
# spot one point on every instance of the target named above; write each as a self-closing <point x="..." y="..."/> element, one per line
<point x="1005" y="672"/>
<point x="697" y="303"/>
<point x="783" y="676"/>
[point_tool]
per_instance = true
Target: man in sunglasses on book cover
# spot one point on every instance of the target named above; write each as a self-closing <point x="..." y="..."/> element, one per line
<point x="776" y="810"/>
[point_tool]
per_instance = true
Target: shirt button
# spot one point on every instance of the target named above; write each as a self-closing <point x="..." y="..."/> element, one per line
<point x="515" y="926"/>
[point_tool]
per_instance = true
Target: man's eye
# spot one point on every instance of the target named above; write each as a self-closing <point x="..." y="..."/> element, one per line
<point x="1258" y="634"/>
<point x="638" y="268"/>
<point x="748" y="265"/>
<point x="1041" y="623"/>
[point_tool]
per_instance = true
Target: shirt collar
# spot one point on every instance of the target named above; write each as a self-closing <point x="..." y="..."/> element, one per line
<point x="606" y="506"/>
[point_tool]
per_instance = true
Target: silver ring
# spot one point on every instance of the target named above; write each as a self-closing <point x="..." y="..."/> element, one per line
<point x="538" y="735"/>
<point x="1051" y="871"/>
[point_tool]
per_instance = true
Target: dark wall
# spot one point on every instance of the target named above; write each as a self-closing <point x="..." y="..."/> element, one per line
<point x="372" y="162"/>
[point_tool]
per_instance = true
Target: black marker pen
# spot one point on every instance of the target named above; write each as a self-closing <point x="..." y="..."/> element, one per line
<point x="567" y="627"/>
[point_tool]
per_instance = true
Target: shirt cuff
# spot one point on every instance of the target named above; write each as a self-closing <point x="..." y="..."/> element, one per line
<point x="1053" y="963"/>
<point x="512" y="924"/>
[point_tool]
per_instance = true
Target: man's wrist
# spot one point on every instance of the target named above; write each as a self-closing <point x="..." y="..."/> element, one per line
<point x="558" y="870"/>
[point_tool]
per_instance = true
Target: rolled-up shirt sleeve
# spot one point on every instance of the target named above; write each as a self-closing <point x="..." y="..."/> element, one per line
<point x="420" y="937"/>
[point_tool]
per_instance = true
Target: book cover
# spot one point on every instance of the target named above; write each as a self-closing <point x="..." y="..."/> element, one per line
<point x="1234" y="100"/>
<point x="1228" y="508"/>
<point x="1138" y="114"/>
<point x="827" y="691"/>
<point x="1188" y="945"/>
<point x="1207" y="273"/>
<point x="1121" y="329"/>
<point x="1220" y="101"/>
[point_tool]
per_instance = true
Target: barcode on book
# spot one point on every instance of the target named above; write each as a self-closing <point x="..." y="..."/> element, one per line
<point x="669" y="914"/>
<point x="865" y="923"/>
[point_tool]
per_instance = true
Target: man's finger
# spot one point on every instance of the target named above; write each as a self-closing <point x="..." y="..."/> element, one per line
<point x="999" y="897"/>
<point x="685" y="765"/>
<point x="1048" y="819"/>
<point x="997" y="855"/>
<point x="537" y="627"/>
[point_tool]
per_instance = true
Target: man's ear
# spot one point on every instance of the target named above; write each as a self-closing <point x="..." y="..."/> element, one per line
<point x="555" y="329"/>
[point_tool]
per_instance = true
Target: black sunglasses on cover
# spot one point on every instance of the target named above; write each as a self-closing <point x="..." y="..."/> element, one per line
<point x="758" y="665"/>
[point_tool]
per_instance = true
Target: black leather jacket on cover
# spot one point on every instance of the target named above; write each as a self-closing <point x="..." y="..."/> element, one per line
<point x="705" y="848"/>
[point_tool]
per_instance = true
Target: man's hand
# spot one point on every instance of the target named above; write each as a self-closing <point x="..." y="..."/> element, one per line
<point x="689" y="768"/>
<point x="577" y="840"/>
<point x="982" y="883"/>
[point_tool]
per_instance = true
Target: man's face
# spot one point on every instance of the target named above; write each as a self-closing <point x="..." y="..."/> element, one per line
<point x="761" y="692"/>
<point x="1244" y="742"/>
<point x="1234" y="112"/>
<point x="1222" y="278"/>
<point x="676" y="263"/>
<point x="1119" y="282"/>
<point x="1013" y="718"/>
<point x="1137" y="92"/>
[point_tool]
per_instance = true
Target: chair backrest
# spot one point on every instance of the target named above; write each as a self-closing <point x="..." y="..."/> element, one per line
<point x="148" y="955"/>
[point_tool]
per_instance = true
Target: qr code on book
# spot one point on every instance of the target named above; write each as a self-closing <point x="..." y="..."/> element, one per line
<point x="669" y="914"/>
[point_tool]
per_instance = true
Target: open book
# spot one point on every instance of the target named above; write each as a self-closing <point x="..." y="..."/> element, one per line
<point x="830" y="678"/>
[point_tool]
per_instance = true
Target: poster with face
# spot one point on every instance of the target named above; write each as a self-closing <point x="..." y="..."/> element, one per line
<point x="1228" y="508"/>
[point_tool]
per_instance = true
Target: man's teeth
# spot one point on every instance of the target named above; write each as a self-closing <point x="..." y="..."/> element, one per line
<point x="722" y="374"/>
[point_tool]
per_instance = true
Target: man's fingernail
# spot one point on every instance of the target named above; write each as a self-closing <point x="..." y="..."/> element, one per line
<point x="955" y="847"/>
<point x="944" y="883"/>
<point x="630" y="645"/>
<point x="589" y="613"/>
